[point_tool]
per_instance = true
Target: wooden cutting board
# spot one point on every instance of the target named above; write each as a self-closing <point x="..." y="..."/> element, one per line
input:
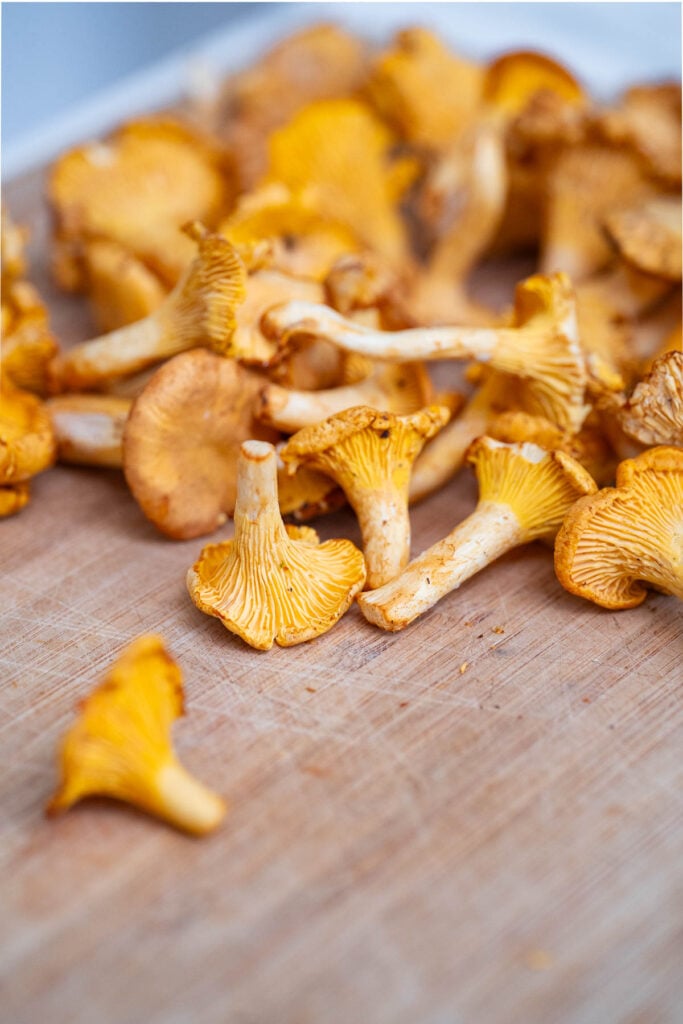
<point x="475" y="820"/>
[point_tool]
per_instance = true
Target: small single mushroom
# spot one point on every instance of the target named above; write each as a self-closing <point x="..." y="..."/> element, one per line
<point x="615" y="542"/>
<point x="273" y="583"/>
<point x="27" y="442"/>
<point x="427" y="93"/>
<point x="524" y="494"/>
<point x="182" y="440"/>
<point x="120" y="746"/>
<point x="648" y="235"/>
<point x="89" y="428"/>
<point x="402" y="388"/>
<point x="653" y="415"/>
<point x="370" y="454"/>
<point x="542" y="347"/>
<point x="339" y="151"/>
<point x="200" y="310"/>
<point x="135" y="188"/>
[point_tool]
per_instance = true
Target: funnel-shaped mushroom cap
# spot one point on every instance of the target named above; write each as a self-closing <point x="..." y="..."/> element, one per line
<point x="648" y="235"/>
<point x="273" y="583"/>
<point x="340" y="151"/>
<point x="370" y="454"/>
<point x="27" y="442"/>
<point x="539" y="486"/>
<point x="182" y="441"/>
<point x="201" y="310"/>
<point x="427" y="93"/>
<point x="654" y="413"/>
<point x="524" y="493"/>
<point x="136" y="189"/>
<point x="615" y="542"/>
<point x="120" y="746"/>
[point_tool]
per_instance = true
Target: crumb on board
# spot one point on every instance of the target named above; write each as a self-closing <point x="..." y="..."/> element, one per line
<point x="497" y="629"/>
<point x="464" y="667"/>
<point x="538" y="960"/>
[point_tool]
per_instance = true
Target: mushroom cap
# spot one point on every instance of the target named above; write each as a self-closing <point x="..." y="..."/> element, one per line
<point x="538" y="485"/>
<point x="653" y="414"/>
<point x="273" y="583"/>
<point x="120" y="746"/>
<point x="28" y="345"/>
<point x="515" y="78"/>
<point x="648" y="121"/>
<point x="339" y="150"/>
<point x="615" y="541"/>
<point x="136" y="189"/>
<point x="424" y="91"/>
<point x="182" y="441"/>
<point x="363" y="448"/>
<point x="27" y="442"/>
<point x="648" y="235"/>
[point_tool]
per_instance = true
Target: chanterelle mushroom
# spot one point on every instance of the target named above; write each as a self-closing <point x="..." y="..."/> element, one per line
<point x="370" y="454"/>
<point x="27" y="442"/>
<point x="654" y="412"/>
<point x="199" y="311"/>
<point x="120" y="746"/>
<point x="182" y="441"/>
<point x="613" y="543"/>
<point x="273" y="582"/>
<point x="542" y="348"/>
<point x="525" y="492"/>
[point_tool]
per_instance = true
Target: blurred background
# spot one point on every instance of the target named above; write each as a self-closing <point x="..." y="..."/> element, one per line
<point x="72" y="70"/>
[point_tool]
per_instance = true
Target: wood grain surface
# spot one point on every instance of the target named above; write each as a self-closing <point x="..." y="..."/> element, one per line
<point x="408" y="843"/>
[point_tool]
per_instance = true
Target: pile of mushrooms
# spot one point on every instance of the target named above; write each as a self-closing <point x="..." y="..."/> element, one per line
<point x="276" y="271"/>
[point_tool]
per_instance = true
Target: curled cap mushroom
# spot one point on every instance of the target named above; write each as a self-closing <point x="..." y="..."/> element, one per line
<point x="120" y="746"/>
<point x="615" y="542"/>
<point x="182" y="441"/>
<point x="542" y="348"/>
<point x="199" y="311"/>
<point x="370" y="454"/>
<point x="524" y="493"/>
<point x="273" y="583"/>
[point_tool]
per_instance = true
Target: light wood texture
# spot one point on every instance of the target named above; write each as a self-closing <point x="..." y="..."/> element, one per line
<point x="409" y="843"/>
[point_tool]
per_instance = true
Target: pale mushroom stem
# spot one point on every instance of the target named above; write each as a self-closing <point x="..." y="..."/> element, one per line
<point x="186" y="802"/>
<point x="290" y="410"/>
<point x="489" y="532"/>
<point x="121" y="352"/>
<point x="385" y="528"/>
<point x="416" y="343"/>
<point x="89" y="428"/>
<point x="257" y="519"/>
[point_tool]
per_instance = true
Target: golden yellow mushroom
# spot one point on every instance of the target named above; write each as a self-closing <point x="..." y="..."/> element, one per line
<point x="653" y="415"/>
<point x="273" y="583"/>
<point x="120" y="746"/>
<point x="647" y="120"/>
<point x="27" y="442"/>
<point x="121" y="289"/>
<point x="427" y="93"/>
<point x="524" y="494"/>
<point x="614" y="544"/>
<point x="136" y="188"/>
<point x="338" y="151"/>
<point x="28" y="345"/>
<point x="541" y="348"/>
<point x="370" y="454"/>
<point x="201" y="310"/>
<point x="515" y="78"/>
<point x="182" y="441"/>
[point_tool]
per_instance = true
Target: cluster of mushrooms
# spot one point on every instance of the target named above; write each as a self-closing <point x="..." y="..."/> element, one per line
<point x="273" y="267"/>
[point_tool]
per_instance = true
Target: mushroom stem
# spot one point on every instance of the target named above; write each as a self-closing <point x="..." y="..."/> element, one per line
<point x="89" y="428"/>
<point x="489" y="532"/>
<point x="385" y="528"/>
<point x="258" y="524"/>
<point x="121" y="352"/>
<point x="186" y="802"/>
